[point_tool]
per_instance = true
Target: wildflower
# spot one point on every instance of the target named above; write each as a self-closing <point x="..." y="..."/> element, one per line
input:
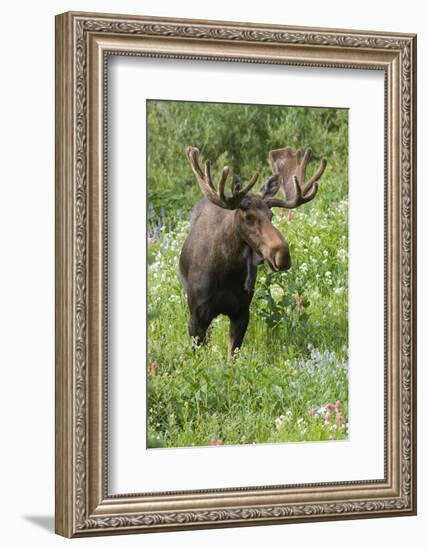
<point x="243" y="439"/>
<point x="330" y="407"/>
<point x="339" y="420"/>
<point x="165" y="244"/>
<point x="342" y="254"/>
<point x="338" y="405"/>
<point x="279" y="421"/>
<point x="276" y="291"/>
<point x="215" y="442"/>
<point x="153" y="368"/>
<point x="316" y="240"/>
<point x="327" y="418"/>
<point x="291" y="215"/>
<point x="303" y="267"/>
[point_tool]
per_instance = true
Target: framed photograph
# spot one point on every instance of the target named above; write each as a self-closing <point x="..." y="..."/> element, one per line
<point x="235" y="274"/>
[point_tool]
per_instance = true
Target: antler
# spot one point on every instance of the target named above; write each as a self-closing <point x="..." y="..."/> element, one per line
<point x="291" y="170"/>
<point x="217" y="196"/>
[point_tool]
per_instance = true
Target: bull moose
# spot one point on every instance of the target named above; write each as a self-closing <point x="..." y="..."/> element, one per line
<point x="231" y="234"/>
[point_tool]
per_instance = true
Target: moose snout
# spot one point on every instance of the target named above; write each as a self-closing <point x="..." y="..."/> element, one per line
<point x="279" y="258"/>
<point x="276" y="252"/>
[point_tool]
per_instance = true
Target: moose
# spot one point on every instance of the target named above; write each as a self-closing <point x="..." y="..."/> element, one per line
<point x="231" y="234"/>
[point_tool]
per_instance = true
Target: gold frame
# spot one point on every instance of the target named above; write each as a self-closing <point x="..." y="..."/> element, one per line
<point x="83" y="43"/>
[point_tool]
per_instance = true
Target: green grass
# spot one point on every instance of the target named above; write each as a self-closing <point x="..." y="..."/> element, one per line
<point x="289" y="382"/>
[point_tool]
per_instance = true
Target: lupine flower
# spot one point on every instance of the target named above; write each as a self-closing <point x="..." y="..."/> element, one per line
<point x="165" y="244"/>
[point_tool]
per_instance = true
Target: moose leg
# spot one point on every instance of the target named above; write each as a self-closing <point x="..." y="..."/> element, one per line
<point x="238" y="326"/>
<point x="197" y="329"/>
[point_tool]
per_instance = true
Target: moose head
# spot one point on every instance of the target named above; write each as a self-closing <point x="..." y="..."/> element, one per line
<point x="291" y="168"/>
<point x="252" y="221"/>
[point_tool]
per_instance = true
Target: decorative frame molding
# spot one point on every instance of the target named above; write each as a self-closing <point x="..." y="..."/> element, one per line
<point x="83" y="43"/>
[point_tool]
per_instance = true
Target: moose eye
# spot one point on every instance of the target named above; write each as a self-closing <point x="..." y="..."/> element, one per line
<point x="250" y="218"/>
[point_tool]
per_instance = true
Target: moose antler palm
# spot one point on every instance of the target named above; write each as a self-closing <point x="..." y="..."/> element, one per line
<point x="217" y="195"/>
<point x="291" y="168"/>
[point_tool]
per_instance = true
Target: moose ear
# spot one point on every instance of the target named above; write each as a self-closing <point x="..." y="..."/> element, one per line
<point x="270" y="187"/>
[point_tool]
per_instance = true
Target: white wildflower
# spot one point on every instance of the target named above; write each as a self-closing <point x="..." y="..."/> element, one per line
<point x="342" y="254"/>
<point x="276" y="291"/>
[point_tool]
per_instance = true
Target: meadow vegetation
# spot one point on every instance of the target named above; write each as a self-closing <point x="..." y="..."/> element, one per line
<point x="289" y="382"/>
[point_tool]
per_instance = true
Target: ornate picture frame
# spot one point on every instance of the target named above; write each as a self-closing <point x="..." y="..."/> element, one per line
<point x="84" y="42"/>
